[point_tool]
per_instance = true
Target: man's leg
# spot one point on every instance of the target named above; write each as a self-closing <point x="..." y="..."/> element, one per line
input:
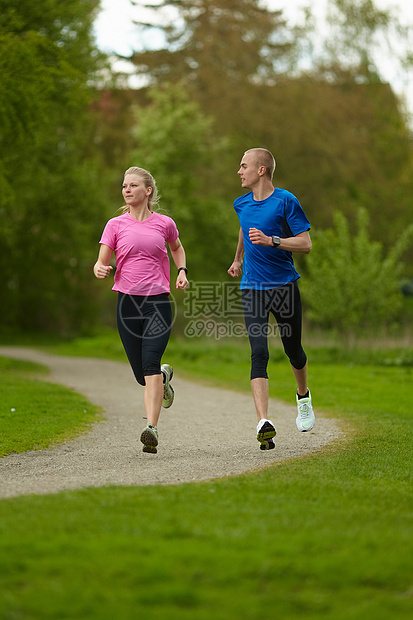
<point x="301" y="378"/>
<point x="256" y="319"/>
<point x="265" y="428"/>
<point x="260" y="393"/>
<point x="288" y="314"/>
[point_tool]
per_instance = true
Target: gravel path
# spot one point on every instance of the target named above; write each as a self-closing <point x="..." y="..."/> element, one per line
<point x="207" y="433"/>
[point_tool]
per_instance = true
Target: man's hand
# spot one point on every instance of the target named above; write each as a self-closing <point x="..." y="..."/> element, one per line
<point x="235" y="269"/>
<point x="257" y="237"/>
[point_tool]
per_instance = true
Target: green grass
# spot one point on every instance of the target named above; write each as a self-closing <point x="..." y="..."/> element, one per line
<point x="327" y="536"/>
<point x="35" y="414"/>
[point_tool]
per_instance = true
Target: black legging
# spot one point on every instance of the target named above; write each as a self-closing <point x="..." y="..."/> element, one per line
<point x="144" y="325"/>
<point x="284" y="303"/>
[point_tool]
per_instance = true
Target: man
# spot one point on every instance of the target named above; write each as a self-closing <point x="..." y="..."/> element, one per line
<point x="272" y="226"/>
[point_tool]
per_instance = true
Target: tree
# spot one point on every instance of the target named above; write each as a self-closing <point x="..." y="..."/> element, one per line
<point x="219" y="48"/>
<point x="50" y="195"/>
<point x="175" y="142"/>
<point x="350" y="285"/>
<point x="336" y="130"/>
<point x="358" y="32"/>
<point x="340" y="147"/>
<point x="237" y="38"/>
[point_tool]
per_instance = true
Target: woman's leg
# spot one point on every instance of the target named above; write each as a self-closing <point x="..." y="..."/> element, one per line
<point x="158" y="324"/>
<point x="131" y="324"/>
<point x="153" y="398"/>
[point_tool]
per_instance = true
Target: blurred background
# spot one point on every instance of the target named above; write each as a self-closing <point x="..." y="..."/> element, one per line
<point x="183" y="88"/>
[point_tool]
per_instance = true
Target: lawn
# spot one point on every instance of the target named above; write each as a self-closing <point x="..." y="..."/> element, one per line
<point x="327" y="536"/>
<point x="35" y="414"/>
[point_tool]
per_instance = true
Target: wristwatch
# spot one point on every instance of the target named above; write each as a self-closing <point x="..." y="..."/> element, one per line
<point x="275" y="241"/>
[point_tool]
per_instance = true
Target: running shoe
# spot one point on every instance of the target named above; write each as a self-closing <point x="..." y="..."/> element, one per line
<point x="149" y="438"/>
<point x="168" y="392"/>
<point x="267" y="445"/>
<point x="305" y="419"/>
<point x="265" y="434"/>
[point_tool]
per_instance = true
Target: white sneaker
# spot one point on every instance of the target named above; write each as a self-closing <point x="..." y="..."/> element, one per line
<point x="305" y="419"/>
<point x="265" y="434"/>
<point x="149" y="438"/>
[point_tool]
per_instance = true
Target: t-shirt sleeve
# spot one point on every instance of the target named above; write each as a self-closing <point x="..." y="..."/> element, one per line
<point x="109" y="235"/>
<point x="172" y="232"/>
<point x="296" y="218"/>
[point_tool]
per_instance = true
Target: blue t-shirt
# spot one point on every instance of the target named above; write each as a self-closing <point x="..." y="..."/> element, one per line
<point x="280" y="214"/>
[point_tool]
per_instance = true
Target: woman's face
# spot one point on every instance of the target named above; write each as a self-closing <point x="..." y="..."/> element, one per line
<point x="134" y="191"/>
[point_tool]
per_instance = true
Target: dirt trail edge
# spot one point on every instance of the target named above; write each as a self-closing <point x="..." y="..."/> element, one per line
<point x="207" y="433"/>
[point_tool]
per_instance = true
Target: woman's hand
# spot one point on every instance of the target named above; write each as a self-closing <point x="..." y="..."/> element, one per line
<point x="182" y="280"/>
<point x="102" y="268"/>
<point x="101" y="271"/>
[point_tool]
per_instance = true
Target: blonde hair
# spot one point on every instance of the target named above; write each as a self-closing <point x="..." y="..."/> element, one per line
<point x="149" y="181"/>
<point x="265" y="158"/>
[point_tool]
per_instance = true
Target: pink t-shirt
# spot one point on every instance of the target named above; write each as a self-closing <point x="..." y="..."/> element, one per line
<point x="142" y="263"/>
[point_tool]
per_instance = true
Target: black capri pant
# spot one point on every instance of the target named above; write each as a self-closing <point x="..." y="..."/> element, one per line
<point x="144" y="325"/>
<point x="284" y="303"/>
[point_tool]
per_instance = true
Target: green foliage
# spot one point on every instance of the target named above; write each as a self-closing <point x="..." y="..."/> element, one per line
<point x="350" y="285"/>
<point x="338" y="134"/>
<point x="358" y="28"/>
<point x="338" y="131"/>
<point x="51" y="196"/>
<point x="217" y="44"/>
<point x="176" y="143"/>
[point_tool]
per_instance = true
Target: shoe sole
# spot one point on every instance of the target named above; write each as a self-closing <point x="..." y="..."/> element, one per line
<point x="149" y="440"/>
<point x="267" y="432"/>
<point x="267" y="445"/>
<point x="265" y="436"/>
<point x="150" y="449"/>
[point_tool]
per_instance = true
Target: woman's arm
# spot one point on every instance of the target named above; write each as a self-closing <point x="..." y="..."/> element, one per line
<point x="179" y="258"/>
<point x="102" y="268"/>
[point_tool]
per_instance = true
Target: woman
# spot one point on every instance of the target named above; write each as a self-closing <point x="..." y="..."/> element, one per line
<point x="138" y="238"/>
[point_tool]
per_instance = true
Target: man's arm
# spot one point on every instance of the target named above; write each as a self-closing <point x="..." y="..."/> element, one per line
<point x="301" y="243"/>
<point x="236" y="267"/>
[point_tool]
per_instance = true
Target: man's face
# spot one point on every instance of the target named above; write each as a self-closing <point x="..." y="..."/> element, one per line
<point x="248" y="171"/>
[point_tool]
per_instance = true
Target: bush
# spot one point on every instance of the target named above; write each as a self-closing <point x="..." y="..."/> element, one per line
<point x="351" y="286"/>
